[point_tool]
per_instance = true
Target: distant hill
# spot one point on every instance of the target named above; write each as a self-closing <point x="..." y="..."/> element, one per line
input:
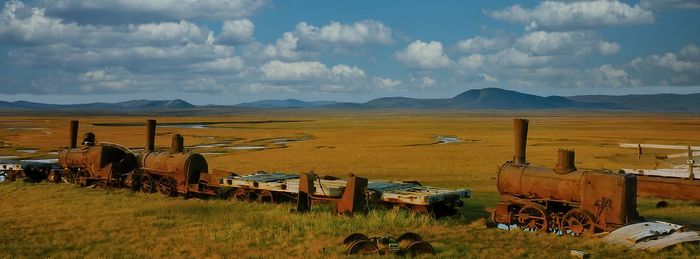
<point x="288" y="103"/>
<point x="128" y="105"/>
<point x="476" y="99"/>
<point x="649" y="102"/>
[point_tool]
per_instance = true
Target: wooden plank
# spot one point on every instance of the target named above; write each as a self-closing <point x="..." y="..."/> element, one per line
<point x="659" y="146"/>
<point x="674" y="173"/>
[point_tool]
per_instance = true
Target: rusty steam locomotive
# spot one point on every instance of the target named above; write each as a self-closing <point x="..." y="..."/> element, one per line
<point x="562" y="199"/>
<point x="169" y="172"/>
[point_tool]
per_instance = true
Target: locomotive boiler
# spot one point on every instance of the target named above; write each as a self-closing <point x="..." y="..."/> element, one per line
<point x="92" y="163"/>
<point x="171" y="172"/>
<point x="562" y="199"/>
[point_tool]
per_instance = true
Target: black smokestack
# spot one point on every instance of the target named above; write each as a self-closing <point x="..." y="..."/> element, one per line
<point x="520" y="140"/>
<point x="150" y="135"/>
<point x="73" y="134"/>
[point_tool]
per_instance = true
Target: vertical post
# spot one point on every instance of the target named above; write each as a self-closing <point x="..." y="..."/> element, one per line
<point x="150" y="135"/>
<point x="306" y="189"/>
<point x="73" y="134"/>
<point x="520" y="141"/>
<point x="691" y="162"/>
<point x="639" y="151"/>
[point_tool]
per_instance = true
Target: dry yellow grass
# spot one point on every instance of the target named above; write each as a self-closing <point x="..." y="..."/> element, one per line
<point x="379" y="145"/>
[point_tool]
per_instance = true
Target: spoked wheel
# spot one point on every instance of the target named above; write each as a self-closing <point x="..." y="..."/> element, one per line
<point x="363" y="247"/>
<point x="54" y="177"/>
<point x="239" y="195"/>
<point x="166" y="186"/>
<point x="265" y="196"/>
<point x="420" y="248"/>
<point x="81" y="174"/>
<point x="577" y="222"/>
<point x="533" y="217"/>
<point x="147" y="184"/>
<point x="408" y="238"/>
<point x="354" y="237"/>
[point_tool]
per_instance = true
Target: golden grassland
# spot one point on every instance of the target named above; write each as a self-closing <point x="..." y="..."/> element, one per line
<point x="67" y="221"/>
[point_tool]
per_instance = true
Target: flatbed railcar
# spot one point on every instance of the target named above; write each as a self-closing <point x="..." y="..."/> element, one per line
<point x="268" y="187"/>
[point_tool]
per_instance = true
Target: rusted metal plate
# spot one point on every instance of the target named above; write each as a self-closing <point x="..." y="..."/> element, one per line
<point x="651" y="236"/>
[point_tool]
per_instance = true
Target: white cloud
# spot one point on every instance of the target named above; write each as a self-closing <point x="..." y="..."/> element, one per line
<point x="607" y="75"/>
<point x="277" y="70"/>
<point x="516" y="58"/>
<point x="424" y="55"/>
<point x="479" y="44"/>
<point x="128" y="11"/>
<point x="285" y="47"/>
<point x="552" y="15"/>
<point x="669" y="4"/>
<point x="570" y="42"/>
<point x="386" y="83"/>
<point x="229" y="64"/>
<point x="358" y="33"/>
<point x="236" y="31"/>
<point x="608" y="48"/>
<point x="23" y="25"/>
<point x="691" y="52"/>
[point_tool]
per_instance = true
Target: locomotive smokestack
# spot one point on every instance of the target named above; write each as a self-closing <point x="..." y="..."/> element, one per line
<point x="73" y="134"/>
<point x="178" y="144"/>
<point x="565" y="162"/>
<point x="520" y="140"/>
<point x="150" y="135"/>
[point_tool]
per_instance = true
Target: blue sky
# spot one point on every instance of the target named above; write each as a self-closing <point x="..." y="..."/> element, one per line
<point x="231" y="51"/>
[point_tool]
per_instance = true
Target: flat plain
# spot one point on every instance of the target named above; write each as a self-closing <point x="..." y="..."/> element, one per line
<point x="452" y="149"/>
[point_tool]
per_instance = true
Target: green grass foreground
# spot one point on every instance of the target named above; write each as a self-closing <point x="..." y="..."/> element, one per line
<point x="40" y="220"/>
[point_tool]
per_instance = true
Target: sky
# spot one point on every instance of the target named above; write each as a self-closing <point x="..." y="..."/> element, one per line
<point x="233" y="51"/>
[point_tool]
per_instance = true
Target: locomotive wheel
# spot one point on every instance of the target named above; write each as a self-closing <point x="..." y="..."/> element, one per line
<point x="54" y="177"/>
<point x="166" y="186"/>
<point x="420" y="248"/>
<point x="147" y="184"/>
<point x="363" y="247"/>
<point x="239" y="195"/>
<point x="265" y="196"/>
<point x="533" y="217"/>
<point x="354" y="237"/>
<point x="577" y="222"/>
<point x="407" y="239"/>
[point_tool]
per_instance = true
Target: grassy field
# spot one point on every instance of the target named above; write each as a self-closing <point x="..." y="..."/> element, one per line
<point x="59" y="220"/>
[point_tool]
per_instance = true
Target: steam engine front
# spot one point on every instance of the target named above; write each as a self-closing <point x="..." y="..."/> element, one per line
<point x="103" y="163"/>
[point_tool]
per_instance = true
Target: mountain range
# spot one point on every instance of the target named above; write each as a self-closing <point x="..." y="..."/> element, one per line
<point x="477" y="99"/>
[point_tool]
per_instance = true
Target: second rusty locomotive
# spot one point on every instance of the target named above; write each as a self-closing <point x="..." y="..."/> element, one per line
<point x="562" y="199"/>
<point x="170" y="172"/>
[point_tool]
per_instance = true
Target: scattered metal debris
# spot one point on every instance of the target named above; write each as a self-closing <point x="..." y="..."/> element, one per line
<point x="408" y="243"/>
<point x="580" y="254"/>
<point x="651" y="236"/>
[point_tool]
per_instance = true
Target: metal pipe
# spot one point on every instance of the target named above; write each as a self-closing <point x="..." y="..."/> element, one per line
<point x="150" y="135"/>
<point x="565" y="162"/>
<point x="73" y="134"/>
<point x="177" y="144"/>
<point x="520" y="140"/>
